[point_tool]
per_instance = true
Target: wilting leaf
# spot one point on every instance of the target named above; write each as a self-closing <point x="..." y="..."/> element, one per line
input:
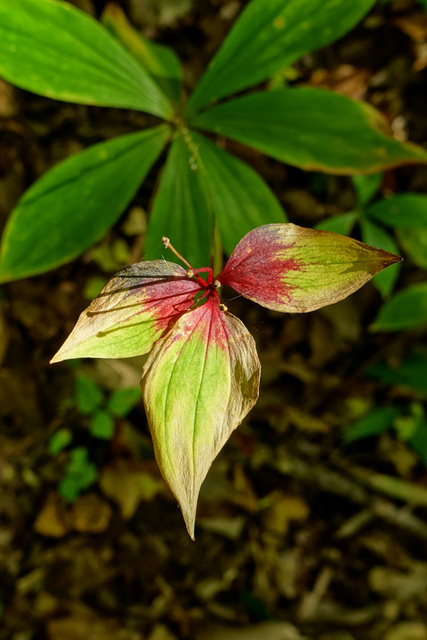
<point x="198" y="384"/>
<point x="312" y="129"/>
<point x="289" y="268"/>
<point x="132" y="311"/>
<point x="161" y="62"/>
<point x="53" y="49"/>
<point x="268" y="37"/>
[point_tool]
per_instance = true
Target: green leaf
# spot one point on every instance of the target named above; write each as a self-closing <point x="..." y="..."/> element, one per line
<point x="367" y="186"/>
<point x="405" y="310"/>
<point x="376" y="236"/>
<point x="80" y="473"/>
<point x="102" y="425"/>
<point x="269" y="36"/>
<point x="312" y="129"/>
<point x="240" y="198"/>
<point x="198" y="384"/>
<point x="342" y="223"/>
<point x="414" y="243"/>
<point x="181" y="210"/>
<point x="411" y="373"/>
<point x="123" y="400"/>
<point x="292" y="269"/>
<point x="373" y="424"/>
<point x="71" y="206"/>
<point x="51" y="48"/>
<point x="133" y="310"/>
<point x="59" y="441"/>
<point x="88" y="395"/>
<point x="161" y="62"/>
<point x="400" y="212"/>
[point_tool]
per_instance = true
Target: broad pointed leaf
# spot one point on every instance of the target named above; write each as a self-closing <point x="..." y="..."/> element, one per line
<point x="405" y="310"/>
<point x="269" y="36"/>
<point x="378" y="237"/>
<point x="181" y="209"/>
<point x="403" y="211"/>
<point x="288" y="268"/>
<point x="240" y="198"/>
<point x="312" y="129"/>
<point x="198" y="384"/>
<point x="161" y="62"/>
<point x="56" y="50"/>
<point x="342" y="223"/>
<point x="72" y="206"/>
<point x="134" y="309"/>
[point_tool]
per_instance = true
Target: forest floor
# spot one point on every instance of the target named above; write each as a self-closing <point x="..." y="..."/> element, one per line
<point x="299" y="536"/>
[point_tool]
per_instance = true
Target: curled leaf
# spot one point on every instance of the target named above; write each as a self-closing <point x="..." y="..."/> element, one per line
<point x="132" y="311"/>
<point x="288" y="268"/>
<point x="198" y="384"/>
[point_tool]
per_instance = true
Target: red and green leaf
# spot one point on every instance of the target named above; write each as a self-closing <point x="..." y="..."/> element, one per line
<point x="133" y="310"/>
<point x="288" y="268"/>
<point x="198" y="384"/>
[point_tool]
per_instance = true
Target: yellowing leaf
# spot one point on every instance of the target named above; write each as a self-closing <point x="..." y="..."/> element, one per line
<point x="293" y="269"/>
<point x="198" y="384"/>
<point x="132" y="311"/>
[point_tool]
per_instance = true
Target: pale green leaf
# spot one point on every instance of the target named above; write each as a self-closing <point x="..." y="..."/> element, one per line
<point x="312" y="129"/>
<point x="292" y="269"/>
<point x="133" y="310"/>
<point x="198" y="384"/>
<point x="161" y="62"/>
<point x="269" y="36"/>
<point x="71" y="206"/>
<point x="51" y="48"/>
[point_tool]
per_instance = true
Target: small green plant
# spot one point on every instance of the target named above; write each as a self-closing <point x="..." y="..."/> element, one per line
<point x="407" y="417"/>
<point x="202" y="374"/>
<point x="102" y="412"/>
<point x="52" y="48"/>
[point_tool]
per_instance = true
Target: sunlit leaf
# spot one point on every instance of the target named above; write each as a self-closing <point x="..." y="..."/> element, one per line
<point x="71" y="206"/>
<point x="161" y="62"/>
<point x="133" y="310"/>
<point x="198" y="384"/>
<point x="289" y="268"/>
<point x="378" y="237"/>
<point x="312" y="129"/>
<point x="51" y="48"/>
<point x="269" y="36"/>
